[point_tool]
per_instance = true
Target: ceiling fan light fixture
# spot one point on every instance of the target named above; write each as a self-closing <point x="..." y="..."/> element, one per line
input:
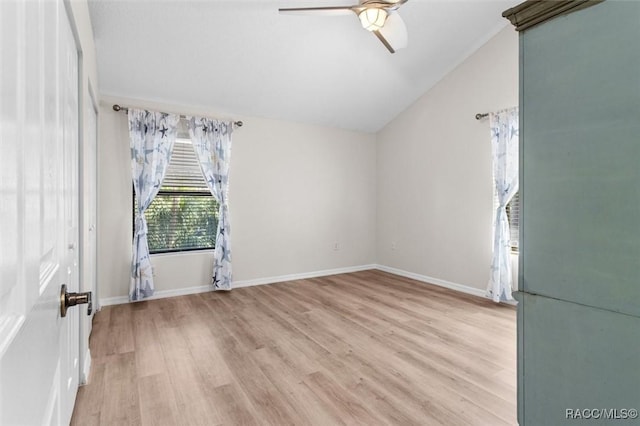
<point x="373" y="18"/>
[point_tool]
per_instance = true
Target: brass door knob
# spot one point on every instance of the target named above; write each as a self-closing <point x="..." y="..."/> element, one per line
<point x="72" y="299"/>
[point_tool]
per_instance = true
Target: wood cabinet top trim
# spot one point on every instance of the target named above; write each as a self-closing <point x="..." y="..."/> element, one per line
<point x="534" y="12"/>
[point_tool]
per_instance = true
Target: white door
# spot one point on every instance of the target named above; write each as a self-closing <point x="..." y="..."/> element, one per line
<point x="38" y="212"/>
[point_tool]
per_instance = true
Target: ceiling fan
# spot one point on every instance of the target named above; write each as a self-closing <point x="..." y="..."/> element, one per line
<point x="378" y="16"/>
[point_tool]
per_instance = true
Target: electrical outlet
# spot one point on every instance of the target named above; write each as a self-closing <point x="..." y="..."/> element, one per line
<point x="393" y="245"/>
<point x="336" y="246"/>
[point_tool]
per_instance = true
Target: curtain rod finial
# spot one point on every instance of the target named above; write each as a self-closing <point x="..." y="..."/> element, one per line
<point x="117" y="107"/>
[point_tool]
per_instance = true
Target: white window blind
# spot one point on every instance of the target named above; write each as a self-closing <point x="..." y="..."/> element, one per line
<point x="513" y="214"/>
<point x="184" y="171"/>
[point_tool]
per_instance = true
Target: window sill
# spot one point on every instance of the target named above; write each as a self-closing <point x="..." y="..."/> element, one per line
<point x="182" y="253"/>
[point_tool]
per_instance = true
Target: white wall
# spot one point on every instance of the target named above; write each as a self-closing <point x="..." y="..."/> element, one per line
<point x="295" y="190"/>
<point x="434" y="171"/>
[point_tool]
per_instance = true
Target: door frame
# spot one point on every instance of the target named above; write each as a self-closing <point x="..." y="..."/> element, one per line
<point x="84" y="92"/>
<point x="88" y="101"/>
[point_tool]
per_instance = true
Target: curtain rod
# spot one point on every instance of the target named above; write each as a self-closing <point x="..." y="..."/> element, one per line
<point x="119" y="108"/>
<point x="478" y="116"/>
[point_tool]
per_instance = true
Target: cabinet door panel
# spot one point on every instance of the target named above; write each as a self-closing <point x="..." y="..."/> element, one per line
<point x="581" y="157"/>
<point x="577" y="357"/>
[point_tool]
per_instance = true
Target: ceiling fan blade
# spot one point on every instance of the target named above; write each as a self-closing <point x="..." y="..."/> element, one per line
<point x="330" y="10"/>
<point x="394" y="33"/>
<point x="384" y="41"/>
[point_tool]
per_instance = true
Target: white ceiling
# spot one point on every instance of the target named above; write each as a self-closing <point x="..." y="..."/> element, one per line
<point x="244" y="58"/>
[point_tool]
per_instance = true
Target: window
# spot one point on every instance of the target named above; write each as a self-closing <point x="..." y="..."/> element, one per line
<point x="513" y="214"/>
<point x="184" y="214"/>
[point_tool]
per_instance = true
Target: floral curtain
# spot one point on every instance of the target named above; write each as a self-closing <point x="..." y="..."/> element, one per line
<point x="151" y="138"/>
<point x="212" y="143"/>
<point x="504" y="147"/>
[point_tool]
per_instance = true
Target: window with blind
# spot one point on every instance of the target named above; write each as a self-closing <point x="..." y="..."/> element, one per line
<point x="184" y="214"/>
<point x="513" y="214"/>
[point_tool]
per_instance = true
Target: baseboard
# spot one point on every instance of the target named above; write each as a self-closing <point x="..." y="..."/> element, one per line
<point x="441" y="283"/>
<point x="302" y="276"/>
<point x="305" y="275"/>
<point x="239" y="284"/>
<point x="119" y="300"/>
<point x="431" y="280"/>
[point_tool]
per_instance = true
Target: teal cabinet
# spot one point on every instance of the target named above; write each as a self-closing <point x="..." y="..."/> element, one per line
<point x="579" y="300"/>
<point x="577" y="357"/>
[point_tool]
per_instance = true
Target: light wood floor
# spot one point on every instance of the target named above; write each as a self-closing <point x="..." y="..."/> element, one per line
<point x="364" y="348"/>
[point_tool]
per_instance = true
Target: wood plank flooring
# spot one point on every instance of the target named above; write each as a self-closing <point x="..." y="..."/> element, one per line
<point x="367" y="348"/>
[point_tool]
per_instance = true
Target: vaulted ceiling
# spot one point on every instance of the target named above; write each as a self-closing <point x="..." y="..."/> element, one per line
<point x="243" y="58"/>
